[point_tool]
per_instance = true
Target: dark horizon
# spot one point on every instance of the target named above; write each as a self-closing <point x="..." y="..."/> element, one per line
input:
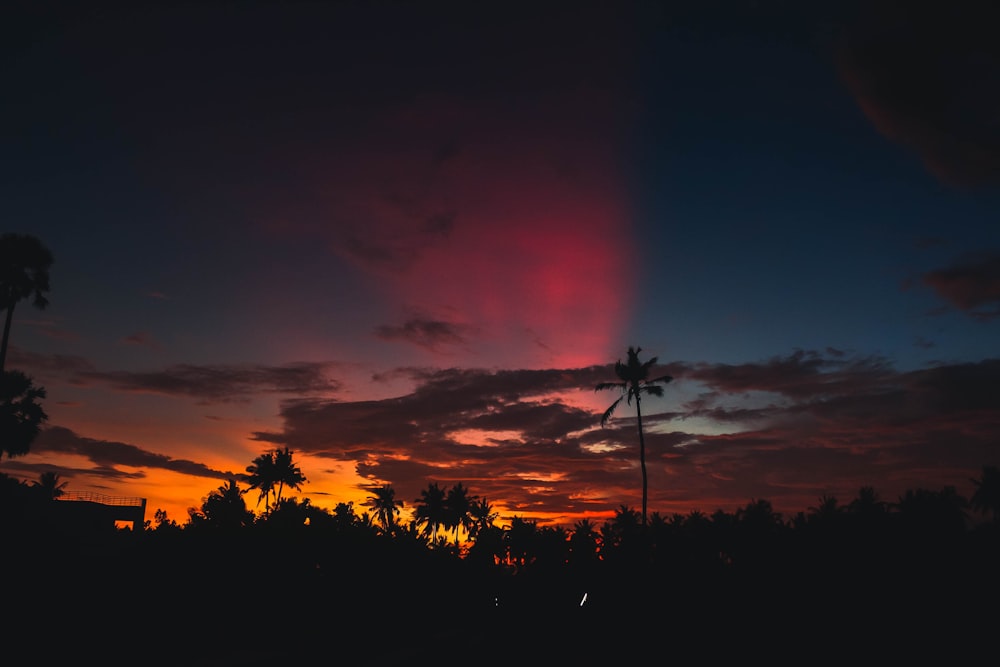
<point x="843" y="582"/>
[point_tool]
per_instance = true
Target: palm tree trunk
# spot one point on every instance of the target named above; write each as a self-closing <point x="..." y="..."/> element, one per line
<point x="6" y="336"/>
<point x="642" y="457"/>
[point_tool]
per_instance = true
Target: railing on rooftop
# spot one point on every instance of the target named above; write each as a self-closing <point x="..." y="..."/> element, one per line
<point x="88" y="496"/>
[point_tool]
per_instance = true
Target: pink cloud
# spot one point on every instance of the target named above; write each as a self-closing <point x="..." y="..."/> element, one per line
<point x="971" y="284"/>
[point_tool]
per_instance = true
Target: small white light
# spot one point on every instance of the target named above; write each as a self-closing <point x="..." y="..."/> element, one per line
<point x="583" y="600"/>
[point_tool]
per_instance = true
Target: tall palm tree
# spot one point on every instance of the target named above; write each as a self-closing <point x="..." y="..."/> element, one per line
<point x="431" y="512"/>
<point x="634" y="381"/>
<point x="386" y="507"/>
<point x="287" y="473"/>
<point x="273" y="469"/>
<point x="262" y="476"/>
<point x="458" y="509"/>
<point x="21" y="416"/>
<point x="24" y="273"/>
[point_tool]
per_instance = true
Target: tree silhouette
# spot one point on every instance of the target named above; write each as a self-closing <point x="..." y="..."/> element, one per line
<point x="482" y="515"/>
<point x="621" y="534"/>
<point x="986" y="496"/>
<point x="634" y="381"/>
<point x="291" y="514"/>
<point x="867" y="503"/>
<point x="583" y="542"/>
<point x="263" y="476"/>
<point x="458" y="509"/>
<point x="24" y="273"/>
<point x="827" y="512"/>
<point x="431" y="512"/>
<point x="21" y="416"/>
<point x="344" y="515"/>
<point x="51" y="484"/>
<point x="274" y="469"/>
<point x="386" y="507"/>
<point x="521" y="541"/>
<point x="932" y="513"/>
<point x="224" y="508"/>
<point x="286" y="472"/>
<point x="163" y="522"/>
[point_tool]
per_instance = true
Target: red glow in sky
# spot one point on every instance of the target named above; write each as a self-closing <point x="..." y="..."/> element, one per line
<point x="491" y="222"/>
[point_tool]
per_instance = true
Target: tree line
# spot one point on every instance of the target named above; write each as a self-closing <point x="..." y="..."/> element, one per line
<point x="455" y="520"/>
<point x="920" y="560"/>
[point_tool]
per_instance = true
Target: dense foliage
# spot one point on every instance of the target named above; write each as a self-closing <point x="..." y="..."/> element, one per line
<point x="247" y="583"/>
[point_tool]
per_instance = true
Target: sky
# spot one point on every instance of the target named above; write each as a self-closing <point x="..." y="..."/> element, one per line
<point x="407" y="240"/>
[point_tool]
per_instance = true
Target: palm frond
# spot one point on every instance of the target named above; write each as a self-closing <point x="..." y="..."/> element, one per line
<point x="607" y="413"/>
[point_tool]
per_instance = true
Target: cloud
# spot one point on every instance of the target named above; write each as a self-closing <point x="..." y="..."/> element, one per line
<point x="928" y="77"/>
<point x="894" y="431"/>
<point x="142" y="338"/>
<point x="107" y="455"/>
<point x="50" y="366"/>
<point x="49" y="329"/>
<point x="787" y="429"/>
<point x="427" y="333"/>
<point x="221" y="383"/>
<point x="801" y="375"/>
<point x="971" y="284"/>
<point x="209" y="383"/>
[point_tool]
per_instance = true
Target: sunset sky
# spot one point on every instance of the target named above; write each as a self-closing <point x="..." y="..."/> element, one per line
<point x="406" y="240"/>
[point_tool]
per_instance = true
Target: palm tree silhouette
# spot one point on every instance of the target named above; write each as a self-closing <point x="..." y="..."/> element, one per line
<point x="286" y="472"/>
<point x="986" y="497"/>
<point x="24" y="272"/>
<point x="431" y="511"/>
<point x="482" y="515"/>
<point x="633" y="381"/>
<point x="263" y="476"/>
<point x="21" y="416"/>
<point x="223" y="508"/>
<point x="521" y="540"/>
<point x="386" y="507"/>
<point x="827" y="512"/>
<point x="583" y="541"/>
<point x="274" y="469"/>
<point x="867" y="503"/>
<point x="458" y="509"/>
<point x="51" y="484"/>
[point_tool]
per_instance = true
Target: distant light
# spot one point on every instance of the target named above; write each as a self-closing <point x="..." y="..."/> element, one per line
<point x="583" y="600"/>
